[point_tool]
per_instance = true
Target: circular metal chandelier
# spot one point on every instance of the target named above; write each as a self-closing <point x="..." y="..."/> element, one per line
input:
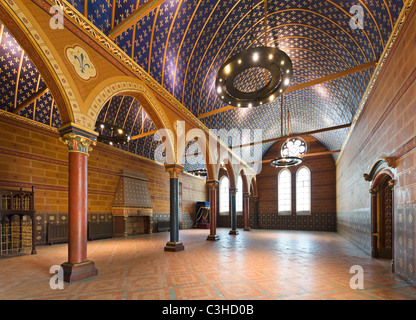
<point x="272" y="59"/>
<point x="118" y="135"/>
<point x="285" y="162"/>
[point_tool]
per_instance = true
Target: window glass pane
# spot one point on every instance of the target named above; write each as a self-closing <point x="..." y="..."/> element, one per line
<point x="224" y="195"/>
<point x="239" y="195"/>
<point x="303" y="191"/>
<point x="285" y="192"/>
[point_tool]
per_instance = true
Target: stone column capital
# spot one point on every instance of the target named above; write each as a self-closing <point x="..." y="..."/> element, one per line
<point x="233" y="191"/>
<point x="213" y="184"/>
<point x="77" y="143"/>
<point x="78" y="138"/>
<point x="246" y="194"/>
<point x="174" y="170"/>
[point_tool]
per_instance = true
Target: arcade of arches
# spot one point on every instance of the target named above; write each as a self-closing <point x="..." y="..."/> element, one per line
<point x="174" y="211"/>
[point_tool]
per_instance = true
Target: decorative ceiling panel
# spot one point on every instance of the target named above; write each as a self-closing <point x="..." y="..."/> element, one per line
<point x="183" y="43"/>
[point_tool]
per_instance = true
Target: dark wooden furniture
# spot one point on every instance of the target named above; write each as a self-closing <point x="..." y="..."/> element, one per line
<point x="20" y="203"/>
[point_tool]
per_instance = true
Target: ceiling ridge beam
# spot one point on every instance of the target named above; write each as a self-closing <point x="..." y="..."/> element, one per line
<point x="308" y="84"/>
<point x="132" y="19"/>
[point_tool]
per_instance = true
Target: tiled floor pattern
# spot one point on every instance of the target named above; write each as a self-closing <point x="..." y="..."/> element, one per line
<point x="260" y="264"/>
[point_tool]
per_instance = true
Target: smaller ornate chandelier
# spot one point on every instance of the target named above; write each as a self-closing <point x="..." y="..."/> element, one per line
<point x="118" y="135"/>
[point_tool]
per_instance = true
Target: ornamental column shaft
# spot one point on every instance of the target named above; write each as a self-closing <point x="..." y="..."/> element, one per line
<point x="233" y="212"/>
<point x="174" y="244"/>
<point x="213" y="187"/>
<point x="246" y="211"/>
<point x="78" y="266"/>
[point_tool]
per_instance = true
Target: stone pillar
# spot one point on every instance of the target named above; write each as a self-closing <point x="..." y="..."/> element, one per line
<point x="246" y="211"/>
<point x="79" y="142"/>
<point x="233" y="212"/>
<point x="256" y="211"/>
<point x="174" y="244"/>
<point x="213" y="187"/>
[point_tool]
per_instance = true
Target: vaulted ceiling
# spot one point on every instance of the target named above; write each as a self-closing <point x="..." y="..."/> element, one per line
<point x="183" y="43"/>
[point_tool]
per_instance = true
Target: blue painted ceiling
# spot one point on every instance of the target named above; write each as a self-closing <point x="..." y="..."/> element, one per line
<point x="183" y="43"/>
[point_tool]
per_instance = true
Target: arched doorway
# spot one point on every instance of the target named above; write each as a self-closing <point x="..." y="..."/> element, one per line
<point x="382" y="217"/>
<point x="381" y="178"/>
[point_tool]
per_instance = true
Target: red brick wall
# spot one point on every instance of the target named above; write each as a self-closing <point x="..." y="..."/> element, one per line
<point x="322" y="192"/>
<point x="386" y="127"/>
<point x="31" y="155"/>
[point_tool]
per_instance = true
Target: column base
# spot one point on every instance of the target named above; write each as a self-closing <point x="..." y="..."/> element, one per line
<point x="213" y="237"/>
<point x="79" y="271"/>
<point x="247" y="229"/>
<point x="174" y="246"/>
<point x="233" y="232"/>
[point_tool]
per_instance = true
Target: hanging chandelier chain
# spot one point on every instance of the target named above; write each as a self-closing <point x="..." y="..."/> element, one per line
<point x="265" y="23"/>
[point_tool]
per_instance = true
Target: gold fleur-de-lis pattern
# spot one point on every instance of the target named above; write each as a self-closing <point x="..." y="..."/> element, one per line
<point x="182" y="44"/>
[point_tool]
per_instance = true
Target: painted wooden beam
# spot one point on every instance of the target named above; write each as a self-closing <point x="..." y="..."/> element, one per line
<point x="308" y="84"/>
<point x="220" y="110"/>
<point x="31" y="99"/>
<point x="316" y="154"/>
<point x="132" y="19"/>
<point x="334" y="76"/>
<point x="295" y="135"/>
<point x="143" y="135"/>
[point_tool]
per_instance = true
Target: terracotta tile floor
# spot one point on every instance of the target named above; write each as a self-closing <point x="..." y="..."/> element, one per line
<point x="260" y="264"/>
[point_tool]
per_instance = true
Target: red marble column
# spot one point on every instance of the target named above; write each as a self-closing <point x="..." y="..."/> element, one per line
<point x="246" y="211"/>
<point x="77" y="216"/>
<point x="213" y="187"/>
<point x="78" y="267"/>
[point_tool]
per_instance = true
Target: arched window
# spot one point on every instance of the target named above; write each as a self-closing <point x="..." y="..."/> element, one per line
<point x="239" y="196"/>
<point x="224" y="195"/>
<point x="303" y="191"/>
<point x="284" y="191"/>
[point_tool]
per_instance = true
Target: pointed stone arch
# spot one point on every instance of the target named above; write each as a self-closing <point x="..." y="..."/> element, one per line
<point x="135" y="88"/>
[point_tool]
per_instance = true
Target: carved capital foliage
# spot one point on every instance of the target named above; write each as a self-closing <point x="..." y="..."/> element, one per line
<point x="174" y="170"/>
<point x="77" y="143"/>
<point x="212" y="184"/>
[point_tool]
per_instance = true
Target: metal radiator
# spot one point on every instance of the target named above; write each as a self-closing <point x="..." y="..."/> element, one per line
<point x="58" y="233"/>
